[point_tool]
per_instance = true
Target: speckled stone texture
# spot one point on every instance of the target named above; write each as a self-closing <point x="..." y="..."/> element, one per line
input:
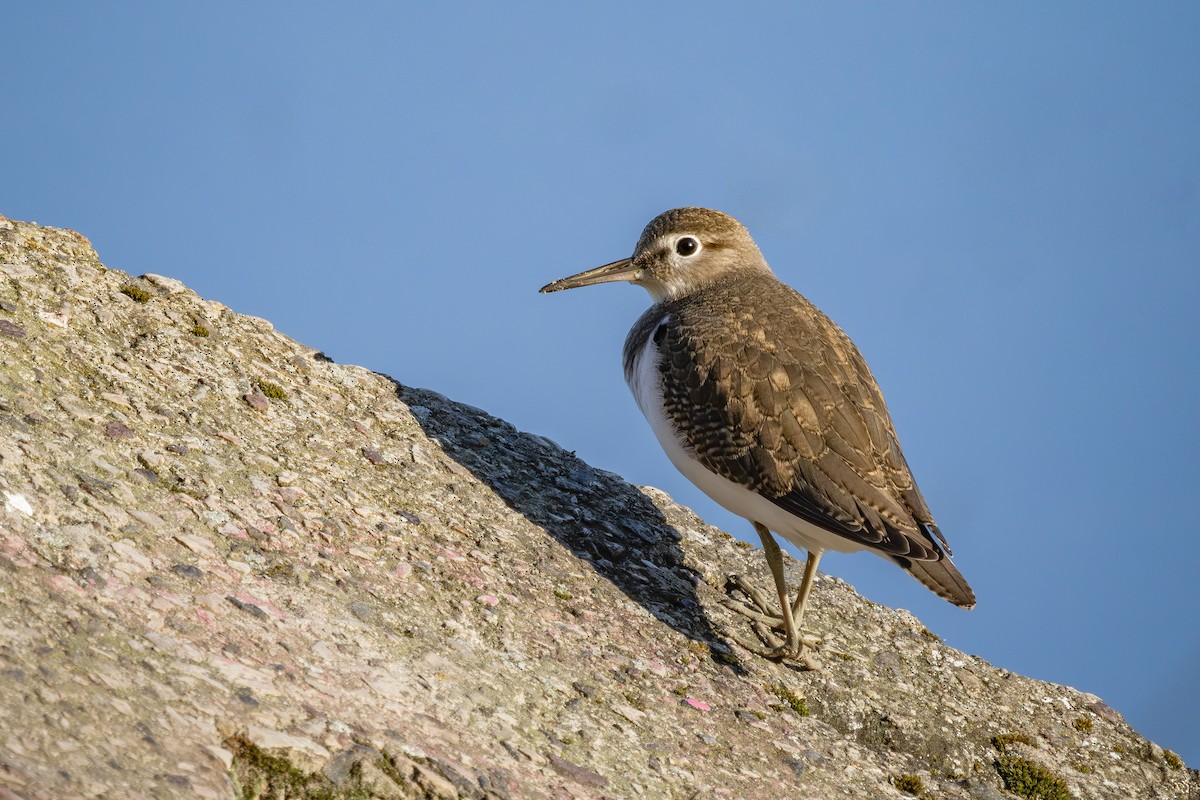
<point x="232" y="568"/>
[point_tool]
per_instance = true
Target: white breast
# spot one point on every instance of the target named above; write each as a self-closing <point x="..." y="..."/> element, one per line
<point x="645" y="381"/>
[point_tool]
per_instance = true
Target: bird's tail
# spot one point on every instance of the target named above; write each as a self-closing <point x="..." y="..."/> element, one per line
<point x="943" y="578"/>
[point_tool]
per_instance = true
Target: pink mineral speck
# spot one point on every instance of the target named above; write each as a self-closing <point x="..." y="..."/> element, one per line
<point x="62" y="583"/>
<point x="699" y="705"/>
<point x="234" y="530"/>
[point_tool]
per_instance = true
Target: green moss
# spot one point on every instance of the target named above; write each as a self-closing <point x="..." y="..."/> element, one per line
<point x="137" y="293"/>
<point x="699" y="648"/>
<point x="744" y="545"/>
<point x="909" y="784"/>
<point x="1005" y="739"/>
<point x="1083" y="724"/>
<point x="1084" y="768"/>
<point x="1026" y="779"/>
<point x="172" y="483"/>
<point x="563" y="594"/>
<point x="284" y="571"/>
<point x="930" y="635"/>
<point x="728" y="659"/>
<point x="258" y="775"/>
<point x="272" y="390"/>
<point x="388" y="767"/>
<point x="199" y="330"/>
<point x="1173" y="761"/>
<point x="793" y="700"/>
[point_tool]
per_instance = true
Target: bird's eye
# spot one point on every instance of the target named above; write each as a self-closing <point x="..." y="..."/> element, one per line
<point x="687" y="246"/>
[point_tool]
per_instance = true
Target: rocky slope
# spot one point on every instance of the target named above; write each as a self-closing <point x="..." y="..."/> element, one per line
<point x="232" y="568"/>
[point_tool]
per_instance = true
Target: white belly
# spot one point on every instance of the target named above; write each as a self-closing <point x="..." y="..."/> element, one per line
<point x="646" y="383"/>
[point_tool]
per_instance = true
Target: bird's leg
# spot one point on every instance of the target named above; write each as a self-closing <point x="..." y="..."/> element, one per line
<point x="762" y="612"/>
<point x="791" y="644"/>
<point x="763" y="619"/>
<point x="806" y="584"/>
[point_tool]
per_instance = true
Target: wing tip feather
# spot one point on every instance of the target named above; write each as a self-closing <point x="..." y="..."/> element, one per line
<point x="943" y="579"/>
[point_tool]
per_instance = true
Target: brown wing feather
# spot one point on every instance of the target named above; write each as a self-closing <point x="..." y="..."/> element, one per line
<point x="776" y="397"/>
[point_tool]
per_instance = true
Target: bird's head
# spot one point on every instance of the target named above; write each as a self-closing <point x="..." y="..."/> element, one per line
<point x="679" y="252"/>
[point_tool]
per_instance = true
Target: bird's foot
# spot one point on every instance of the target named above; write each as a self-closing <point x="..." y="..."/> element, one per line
<point x="774" y="648"/>
<point x="764" y="621"/>
<point x="761" y="611"/>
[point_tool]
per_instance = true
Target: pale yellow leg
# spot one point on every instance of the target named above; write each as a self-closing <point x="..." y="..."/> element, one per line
<point x="806" y="584"/>
<point x="791" y="614"/>
<point x="791" y="642"/>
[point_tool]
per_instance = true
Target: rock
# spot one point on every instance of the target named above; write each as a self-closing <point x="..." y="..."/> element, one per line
<point x="368" y="589"/>
<point x="257" y="401"/>
<point x="12" y="330"/>
<point x="169" y="285"/>
<point x="301" y="751"/>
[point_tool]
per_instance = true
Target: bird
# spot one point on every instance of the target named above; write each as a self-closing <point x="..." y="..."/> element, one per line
<point x="768" y="407"/>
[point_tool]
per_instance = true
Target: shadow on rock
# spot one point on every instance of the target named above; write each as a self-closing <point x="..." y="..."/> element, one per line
<point x="596" y="515"/>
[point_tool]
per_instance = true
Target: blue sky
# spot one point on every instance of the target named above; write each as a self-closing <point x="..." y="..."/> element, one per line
<point x="999" y="203"/>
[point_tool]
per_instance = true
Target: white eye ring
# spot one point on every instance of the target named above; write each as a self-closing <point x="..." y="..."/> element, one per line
<point x="687" y="246"/>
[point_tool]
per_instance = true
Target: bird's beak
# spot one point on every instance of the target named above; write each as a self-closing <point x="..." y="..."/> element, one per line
<point x="622" y="270"/>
